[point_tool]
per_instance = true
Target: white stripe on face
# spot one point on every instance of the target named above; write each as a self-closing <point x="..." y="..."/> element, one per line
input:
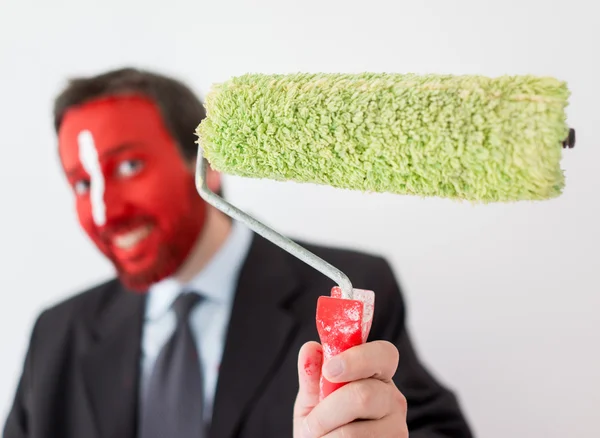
<point x="88" y="155"/>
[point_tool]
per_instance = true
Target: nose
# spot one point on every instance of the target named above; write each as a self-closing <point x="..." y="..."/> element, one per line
<point x="116" y="206"/>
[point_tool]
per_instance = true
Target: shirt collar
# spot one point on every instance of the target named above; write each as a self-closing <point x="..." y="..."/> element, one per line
<point x="216" y="282"/>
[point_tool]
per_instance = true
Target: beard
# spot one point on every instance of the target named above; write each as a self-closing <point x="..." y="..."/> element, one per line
<point x="173" y="241"/>
<point x="170" y="256"/>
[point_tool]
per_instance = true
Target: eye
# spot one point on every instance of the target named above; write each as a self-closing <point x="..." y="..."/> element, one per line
<point x="129" y="167"/>
<point x="81" y="187"/>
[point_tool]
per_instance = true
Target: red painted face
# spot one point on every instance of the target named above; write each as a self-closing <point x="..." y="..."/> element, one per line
<point x="135" y="196"/>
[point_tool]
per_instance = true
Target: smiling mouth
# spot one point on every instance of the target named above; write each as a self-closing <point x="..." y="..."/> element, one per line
<point x="130" y="239"/>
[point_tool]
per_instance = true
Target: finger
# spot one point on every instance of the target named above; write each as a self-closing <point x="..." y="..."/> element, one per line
<point x="310" y="361"/>
<point x="378" y="359"/>
<point x="393" y="426"/>
<point x="369" y="399"/>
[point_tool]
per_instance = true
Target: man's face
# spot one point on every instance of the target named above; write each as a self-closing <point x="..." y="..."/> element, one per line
<point x="135" y="195"/>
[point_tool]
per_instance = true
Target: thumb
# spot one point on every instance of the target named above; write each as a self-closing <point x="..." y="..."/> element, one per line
<point x="310" y="361"/>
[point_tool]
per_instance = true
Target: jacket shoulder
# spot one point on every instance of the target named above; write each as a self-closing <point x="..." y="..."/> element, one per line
<point x="365" y="269"/>
<point x="79" y="306"/>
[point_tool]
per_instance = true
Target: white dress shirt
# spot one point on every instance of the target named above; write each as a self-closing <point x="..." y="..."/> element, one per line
<point x="217" y="284"/>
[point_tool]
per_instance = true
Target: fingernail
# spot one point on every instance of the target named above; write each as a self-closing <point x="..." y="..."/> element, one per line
<point x="334" y="367"/>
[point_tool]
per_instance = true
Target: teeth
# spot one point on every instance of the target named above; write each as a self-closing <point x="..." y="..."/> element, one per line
<point x="129" y="240"/>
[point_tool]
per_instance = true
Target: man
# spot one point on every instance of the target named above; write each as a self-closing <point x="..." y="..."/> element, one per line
<point x="208" y="329"/>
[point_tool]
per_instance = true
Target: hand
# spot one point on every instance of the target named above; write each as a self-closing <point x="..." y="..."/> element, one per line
<point x="369" y="406"/>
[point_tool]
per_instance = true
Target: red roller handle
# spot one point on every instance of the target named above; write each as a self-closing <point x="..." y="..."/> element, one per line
<point x="342" y="324"/>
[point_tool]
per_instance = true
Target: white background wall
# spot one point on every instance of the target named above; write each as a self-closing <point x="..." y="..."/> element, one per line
<point x="504" y="299"/>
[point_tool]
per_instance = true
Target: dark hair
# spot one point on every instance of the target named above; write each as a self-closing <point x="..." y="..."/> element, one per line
<point x="181" y="110"/>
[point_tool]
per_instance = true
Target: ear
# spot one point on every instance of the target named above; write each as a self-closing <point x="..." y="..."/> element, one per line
<point x="213" y="180"/>
<point x="213" y="177"/>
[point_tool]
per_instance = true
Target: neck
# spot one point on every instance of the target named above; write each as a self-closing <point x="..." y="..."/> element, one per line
<point x="215" y="232"/>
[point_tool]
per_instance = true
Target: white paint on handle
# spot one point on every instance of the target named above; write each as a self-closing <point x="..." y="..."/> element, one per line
<point x="88" y="155"/>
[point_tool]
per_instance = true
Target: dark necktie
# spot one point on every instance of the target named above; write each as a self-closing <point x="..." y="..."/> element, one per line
<point x="174" y="397"/>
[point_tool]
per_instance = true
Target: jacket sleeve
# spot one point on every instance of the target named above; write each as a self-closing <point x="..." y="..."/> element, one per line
<point x="433" y="410"/>
<point x="17" y="422"/>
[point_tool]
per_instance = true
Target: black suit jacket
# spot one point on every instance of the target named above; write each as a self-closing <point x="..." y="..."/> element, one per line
<point x="81" y="372"/>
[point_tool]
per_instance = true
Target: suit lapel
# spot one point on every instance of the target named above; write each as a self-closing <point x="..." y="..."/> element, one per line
<point x="110" y="366"/>
<point x="258" y="334"/>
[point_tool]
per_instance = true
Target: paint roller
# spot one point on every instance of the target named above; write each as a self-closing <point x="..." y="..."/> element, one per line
<point x="471" y="138"/>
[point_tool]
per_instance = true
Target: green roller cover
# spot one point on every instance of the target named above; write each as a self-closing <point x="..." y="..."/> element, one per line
<point x="464" y="137"/>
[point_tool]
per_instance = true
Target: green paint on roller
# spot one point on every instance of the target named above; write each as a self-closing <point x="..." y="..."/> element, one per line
<point x="463" y="137"/>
